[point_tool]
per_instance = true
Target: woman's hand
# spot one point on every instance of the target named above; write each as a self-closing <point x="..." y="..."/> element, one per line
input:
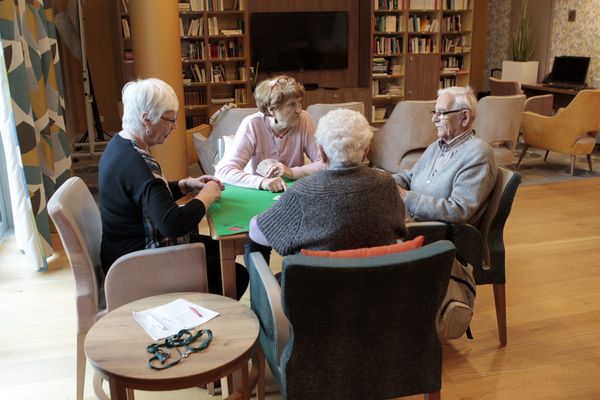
<point x="209" y="193"/>
<point x="279" y="169"/>
<point x="197" y="184"/>
<point x="273" y="185"/>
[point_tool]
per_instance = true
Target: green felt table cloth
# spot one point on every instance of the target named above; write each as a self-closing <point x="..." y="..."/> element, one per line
<point x="232" y="213"/>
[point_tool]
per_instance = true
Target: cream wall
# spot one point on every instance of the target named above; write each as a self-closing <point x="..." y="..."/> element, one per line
<point x="578" y="38"/>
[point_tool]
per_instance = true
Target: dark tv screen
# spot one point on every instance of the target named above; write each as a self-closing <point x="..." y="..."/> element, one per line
<point x="296" y="41"/>
<point x="570" y="69"/>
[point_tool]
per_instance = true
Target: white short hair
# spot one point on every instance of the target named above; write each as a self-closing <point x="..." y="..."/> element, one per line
<point x="464" y="98"/>
<point x="344" y="135"/>
<point x="152" y="96"/>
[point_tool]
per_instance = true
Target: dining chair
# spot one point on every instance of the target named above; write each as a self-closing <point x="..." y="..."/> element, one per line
<point x="482" y="246"/>
<point x="224" y="124"/>
<point x="317" y="110"/>
<point x="498" y="87"/>
<point x="400" y="142"/>
<point x="353" y="328"/>
<point x="498" y="121"/>
<point x="572" y="130"/>
<point x="136" y="275"/>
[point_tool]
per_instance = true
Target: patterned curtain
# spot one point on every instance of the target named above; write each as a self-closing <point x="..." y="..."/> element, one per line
<point x="28" y="35"/>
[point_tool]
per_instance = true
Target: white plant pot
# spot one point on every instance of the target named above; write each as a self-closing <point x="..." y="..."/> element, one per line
<point x="524" y="72"/>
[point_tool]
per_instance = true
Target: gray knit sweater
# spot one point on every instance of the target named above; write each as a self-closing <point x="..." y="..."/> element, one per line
<point x="459" y="192"/>
<point x="336" y="209"/>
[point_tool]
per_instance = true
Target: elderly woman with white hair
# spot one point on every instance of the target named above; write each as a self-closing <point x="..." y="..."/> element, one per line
<point x="454" y="177"/>
<point x="137" y="204"/>
<point x="280" y="134"/>
<point x="346" y="206"/>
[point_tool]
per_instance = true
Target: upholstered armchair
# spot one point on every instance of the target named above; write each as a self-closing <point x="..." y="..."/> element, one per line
<point x="136" y="275"/>
<point x="571" y="131"/>
<point x="225" y="124"/>
<point x="497" y="122"/>
<point x="399" y="143"/>
<point x="482" y="246"/>
<point x="353" y="328"/>
<point x="316" y="111"/>
<point x="498" y="87"/>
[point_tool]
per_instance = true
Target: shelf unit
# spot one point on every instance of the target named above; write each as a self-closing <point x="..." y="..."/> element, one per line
<point x="214" y="55"/>
<point x="432" y="50"/>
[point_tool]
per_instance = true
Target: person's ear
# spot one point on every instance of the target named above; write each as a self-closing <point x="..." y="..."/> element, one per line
<point x="323" y="155"/>
<point x="466" y="118"/>
<point x="271" y="110"/>
<point x="145" y="120"/>
<point x="366" y="153"/>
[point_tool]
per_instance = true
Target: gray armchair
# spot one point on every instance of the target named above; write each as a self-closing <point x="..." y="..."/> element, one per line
<point x="482" y="246"/>
<point x="353" y="328"/>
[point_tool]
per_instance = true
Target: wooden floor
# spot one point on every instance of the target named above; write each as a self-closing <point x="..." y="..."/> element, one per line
<point x="553" y="295"/>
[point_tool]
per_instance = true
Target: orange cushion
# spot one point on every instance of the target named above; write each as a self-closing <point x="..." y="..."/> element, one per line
<point x="368" y="251"/>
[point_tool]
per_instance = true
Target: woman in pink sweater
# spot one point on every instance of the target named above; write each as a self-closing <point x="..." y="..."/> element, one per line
<point x="281" y="133"/>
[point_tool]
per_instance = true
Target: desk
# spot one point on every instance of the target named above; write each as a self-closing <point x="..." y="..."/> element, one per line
<point x="229" y="221"/>
<point x="562" y="97"/>
<point x="116" y="347"/>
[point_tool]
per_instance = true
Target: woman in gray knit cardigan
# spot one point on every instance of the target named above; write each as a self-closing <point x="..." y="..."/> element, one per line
<point x="347" y="206"/>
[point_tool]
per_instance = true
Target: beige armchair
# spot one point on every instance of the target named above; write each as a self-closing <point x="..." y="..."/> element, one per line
<point x="497" y="122"/>
<point x="316" y="111"/>
<point x="399" y="143"/>
<point x="136" y="275"/>
<point x="498" y="87"/>
<point x="571" y="131"/>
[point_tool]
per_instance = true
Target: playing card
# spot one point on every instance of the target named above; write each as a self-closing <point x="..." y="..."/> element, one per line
<point x="264" y="166"/>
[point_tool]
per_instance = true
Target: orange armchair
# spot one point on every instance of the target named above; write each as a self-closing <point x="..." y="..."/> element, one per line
<point x="571" y="131"/>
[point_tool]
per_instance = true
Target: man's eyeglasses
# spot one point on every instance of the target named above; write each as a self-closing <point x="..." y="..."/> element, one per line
<point x="171" y="120"/>
<point x="444" y="114"/>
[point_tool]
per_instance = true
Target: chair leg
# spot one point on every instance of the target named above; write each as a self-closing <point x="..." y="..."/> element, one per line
<point x="99" y="390"/>
<point x="260" y="385"/>
<point x="546" y="155"/>
<point x="522" y="154"/>
<point x="80" y="366"/>
<point x="589" y="158"/>
<point x="432" y="396"/>
<point x="500" y="301"/>
<point x="572" y="165"/>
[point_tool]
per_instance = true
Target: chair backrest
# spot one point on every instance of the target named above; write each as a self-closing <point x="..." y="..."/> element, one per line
<point x="494" y="219"/>
<point x="582" y="113"/>
<point x="499" y="87"/>
<point x="408" y="128"/>
<point x="543" y="104"/>
<point x="498" y="122"/>
<point x="77" y="219"/>
<point x="316" y="111"/>
<point x="226" y="125"/>
<point x="364" y="328"/>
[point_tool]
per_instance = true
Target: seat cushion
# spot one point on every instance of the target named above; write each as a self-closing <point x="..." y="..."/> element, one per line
<point x="368" y="251"/>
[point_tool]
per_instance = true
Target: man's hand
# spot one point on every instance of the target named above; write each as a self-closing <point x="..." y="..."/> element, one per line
<point x="273" y="185"/>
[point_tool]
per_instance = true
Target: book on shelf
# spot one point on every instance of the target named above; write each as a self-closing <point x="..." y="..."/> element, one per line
<point x="391" y="24"/>
<point x="125" y="6"/>
<point x="222" y="100"/>
<point x="197" y="5"/>
<point x="228" y="32"/>
<point x="125" y="27"/>
<point x="184" y="7"/>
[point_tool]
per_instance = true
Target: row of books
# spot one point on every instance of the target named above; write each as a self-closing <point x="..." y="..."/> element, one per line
<point x="386" y="88"/>
<point x="193" y="51"/>
<point x="447" y="81"/>
<point x="223" y="5"/>
<point x="213" y="27"/>
<point x="452" y="23"/>
<point x="195" y="120"/>
<point x="456" y="4"/>
<point x="388" y="4"/>
<point x="191" y="5"/>
<point x="388" y="23"/>
<point x="195" y="27"/>
<point x="452" y="63"/>
<point x="227" y="48"/>
<point x="423" y="4"/>
<point x="382" y="67"/>
<point x="422" y="23"/>
<point x="454" y="45"/>
<point x="239" y="95"/>
<point x="379" y="113"/>
<point x="195" y="97"/>
<point x="194" y="73"/>
<point x="422" y="45"/>
<point x="387" y="45"/>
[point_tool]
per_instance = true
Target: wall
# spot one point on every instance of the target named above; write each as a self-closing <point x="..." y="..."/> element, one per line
<point x="578" y="38"/>
<point x="498" y="34"/>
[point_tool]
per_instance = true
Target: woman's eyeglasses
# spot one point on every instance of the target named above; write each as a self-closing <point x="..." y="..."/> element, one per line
<point x="281" y="82"/>
<point x="444" y="114"/>
<point x="171" y="120"/>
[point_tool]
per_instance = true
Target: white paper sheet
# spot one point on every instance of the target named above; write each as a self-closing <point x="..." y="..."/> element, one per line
<point x="168" y="319"/>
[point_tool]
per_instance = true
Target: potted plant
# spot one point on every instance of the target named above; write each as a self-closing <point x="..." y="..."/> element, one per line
<point x="521" y="69"/>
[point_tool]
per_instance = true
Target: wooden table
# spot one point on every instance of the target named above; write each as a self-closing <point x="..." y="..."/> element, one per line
<point x="562" y="97"/>
<point x="116" y="347"/>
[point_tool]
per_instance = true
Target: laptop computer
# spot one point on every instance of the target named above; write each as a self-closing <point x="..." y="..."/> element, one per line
<point x="569" y="72"/>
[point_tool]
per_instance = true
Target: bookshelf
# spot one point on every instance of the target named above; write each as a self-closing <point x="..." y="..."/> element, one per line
<point x="214" y="55"/>
<point x="417" y="47"/>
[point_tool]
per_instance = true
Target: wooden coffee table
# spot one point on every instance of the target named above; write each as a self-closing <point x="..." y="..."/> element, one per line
<point x="116" y="347"/>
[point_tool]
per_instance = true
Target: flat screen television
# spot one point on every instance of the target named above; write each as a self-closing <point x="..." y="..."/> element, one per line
<point x="297" y="41"/>
<point x="569" y="71"/>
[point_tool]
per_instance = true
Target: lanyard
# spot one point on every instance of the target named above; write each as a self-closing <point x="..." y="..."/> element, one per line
<point x="182" y="339"/>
